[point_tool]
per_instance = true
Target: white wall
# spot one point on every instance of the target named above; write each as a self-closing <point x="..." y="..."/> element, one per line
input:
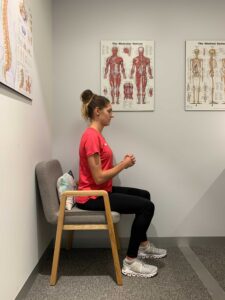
<point x="26" y="138"/>
<point x="180" y="155"/>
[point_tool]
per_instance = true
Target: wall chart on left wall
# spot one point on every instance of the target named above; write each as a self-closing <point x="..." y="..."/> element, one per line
<point x="16" y="46"/>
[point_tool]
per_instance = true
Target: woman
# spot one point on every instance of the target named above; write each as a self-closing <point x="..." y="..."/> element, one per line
<point x="96" y="171"/>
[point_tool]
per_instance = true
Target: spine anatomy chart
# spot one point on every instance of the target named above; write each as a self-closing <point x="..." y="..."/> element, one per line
<point x="6" y="41"/>
<point x="16" y="46"/>
<point x="205" y="75"/>
<point x="127" y="70"/>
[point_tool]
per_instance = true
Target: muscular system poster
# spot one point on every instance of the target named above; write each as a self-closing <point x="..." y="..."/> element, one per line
<point x="205" y="75"/>
<point x="16" y="46"/>
<point x="127" y="74"/>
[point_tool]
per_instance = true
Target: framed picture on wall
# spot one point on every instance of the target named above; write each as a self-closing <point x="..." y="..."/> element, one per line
<point x="16" y="46"/>
<point x="205" y="75"/>
<point x="127" y="74"/>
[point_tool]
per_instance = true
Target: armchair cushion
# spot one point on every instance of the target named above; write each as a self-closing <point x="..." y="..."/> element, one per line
<point x="81" y="216"/>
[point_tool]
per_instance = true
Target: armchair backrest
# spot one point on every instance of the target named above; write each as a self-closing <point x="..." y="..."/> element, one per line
<point x="47" y="173"/>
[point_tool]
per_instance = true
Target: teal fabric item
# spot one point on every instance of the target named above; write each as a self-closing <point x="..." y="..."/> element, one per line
<point x="66" y="183"/>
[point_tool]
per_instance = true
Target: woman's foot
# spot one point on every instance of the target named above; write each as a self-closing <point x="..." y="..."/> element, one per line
<point x="150" y="251"/>
<point x="138" y="268"/>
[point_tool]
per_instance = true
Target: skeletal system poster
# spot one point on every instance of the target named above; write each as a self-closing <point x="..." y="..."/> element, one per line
<point x="205" y="75"/>
<point x="127" y="74"/>
<point x="16" y="46"/>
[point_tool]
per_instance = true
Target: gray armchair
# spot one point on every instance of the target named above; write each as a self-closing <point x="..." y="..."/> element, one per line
<point x="77" y="219"/>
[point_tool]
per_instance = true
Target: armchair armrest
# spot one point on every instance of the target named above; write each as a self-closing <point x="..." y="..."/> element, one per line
<point x="85" y="193"/>
<point x="97" y="193"/>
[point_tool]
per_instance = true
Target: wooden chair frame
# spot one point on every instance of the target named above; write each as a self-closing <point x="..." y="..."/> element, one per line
<point x="70" y="227"/>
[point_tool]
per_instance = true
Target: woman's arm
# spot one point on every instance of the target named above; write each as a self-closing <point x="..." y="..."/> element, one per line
<point x="100" y="176"/>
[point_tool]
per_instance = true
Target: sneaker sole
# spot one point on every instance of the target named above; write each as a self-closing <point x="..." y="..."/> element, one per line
<point x="142" y="255"/>
<point x="134" y="274"/>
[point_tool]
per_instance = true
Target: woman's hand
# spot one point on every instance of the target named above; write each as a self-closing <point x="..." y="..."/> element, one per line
<point x="100" y="176"/>
<point x="129" y="160"/>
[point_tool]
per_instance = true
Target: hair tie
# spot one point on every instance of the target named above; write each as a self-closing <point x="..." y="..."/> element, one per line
<point x="92" y="97"/>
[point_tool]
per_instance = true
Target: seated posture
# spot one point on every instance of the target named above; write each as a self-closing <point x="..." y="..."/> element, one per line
<point x="96" y="171"/>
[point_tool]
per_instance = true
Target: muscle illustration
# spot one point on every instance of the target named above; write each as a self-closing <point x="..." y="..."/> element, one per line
<point x="6" y="40"/>
<point x="114" y="65"/>
<point x="141" y="64"/>
<point x="128" y="90"/>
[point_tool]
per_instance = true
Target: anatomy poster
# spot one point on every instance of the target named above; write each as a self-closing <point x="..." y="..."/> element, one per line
<point x="16" y="46"/>
<point x="127" y="74"/>
<point x="205" y="75"/>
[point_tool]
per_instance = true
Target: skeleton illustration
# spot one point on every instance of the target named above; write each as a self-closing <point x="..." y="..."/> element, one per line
<point x="114" y="63"/>
<point x="222" y="73"/>
<point x="212" y="66"/>
<point x="205" y="75"/>
<point x="196" y="75"/>
<point x="141" y="63"/>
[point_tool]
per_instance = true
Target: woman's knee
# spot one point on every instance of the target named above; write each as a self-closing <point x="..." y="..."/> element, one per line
<point x="145" y="194"/>
<point x="146" y="204"/>
<point x="150" y="207"/>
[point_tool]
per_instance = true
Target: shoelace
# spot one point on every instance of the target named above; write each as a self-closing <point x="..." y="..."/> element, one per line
<point x="153" y="248"/>
<point x="142" y="264"/>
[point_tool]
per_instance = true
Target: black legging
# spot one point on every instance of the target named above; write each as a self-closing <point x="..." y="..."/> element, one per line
<point x="126" y="200"/>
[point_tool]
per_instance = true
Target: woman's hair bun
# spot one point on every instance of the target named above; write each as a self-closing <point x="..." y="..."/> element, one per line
<point x="86" y="96"/>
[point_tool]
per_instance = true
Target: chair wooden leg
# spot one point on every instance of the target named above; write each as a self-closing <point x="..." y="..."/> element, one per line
<point x="115" y="255"/>
<point x="69" y="240"/>
<point x="114" y="246"/>
<point x="55" y="261"/>
<point x="117" y="237"/>
<point x="58" y="239"/>
<point x="112" y="238"/>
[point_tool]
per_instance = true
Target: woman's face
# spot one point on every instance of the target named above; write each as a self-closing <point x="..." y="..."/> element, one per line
<point x="105" y="115"/>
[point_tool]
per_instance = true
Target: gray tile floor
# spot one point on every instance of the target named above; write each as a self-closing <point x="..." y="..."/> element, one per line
<point x="89" y="274"/>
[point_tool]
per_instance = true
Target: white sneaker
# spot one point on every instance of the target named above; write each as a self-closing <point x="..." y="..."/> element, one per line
<point x="139" y="269"/>
<point x="150" y="251"/>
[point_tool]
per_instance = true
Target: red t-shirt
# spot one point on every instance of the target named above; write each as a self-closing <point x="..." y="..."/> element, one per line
<point x="93" y="142"/>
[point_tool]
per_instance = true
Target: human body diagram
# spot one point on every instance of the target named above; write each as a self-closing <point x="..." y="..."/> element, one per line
<point x="212" y="67"/>
<point x="114" y="65"/>
<point x="16" y="46"/>
<point x="222" y="74"/>
<point x="205" y="76"/>
<point x="196" y="76"/>
<point x="142" y="66"/>
<point x="127" y="75"/>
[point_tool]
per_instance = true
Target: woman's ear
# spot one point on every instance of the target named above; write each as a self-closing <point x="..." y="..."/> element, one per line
<point x="97" y="111"/>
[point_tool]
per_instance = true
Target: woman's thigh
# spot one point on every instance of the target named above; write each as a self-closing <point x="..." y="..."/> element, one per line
<point x="131" y="191"/>
<point x="120" y="202"/>
<point x="129" y="203"/>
